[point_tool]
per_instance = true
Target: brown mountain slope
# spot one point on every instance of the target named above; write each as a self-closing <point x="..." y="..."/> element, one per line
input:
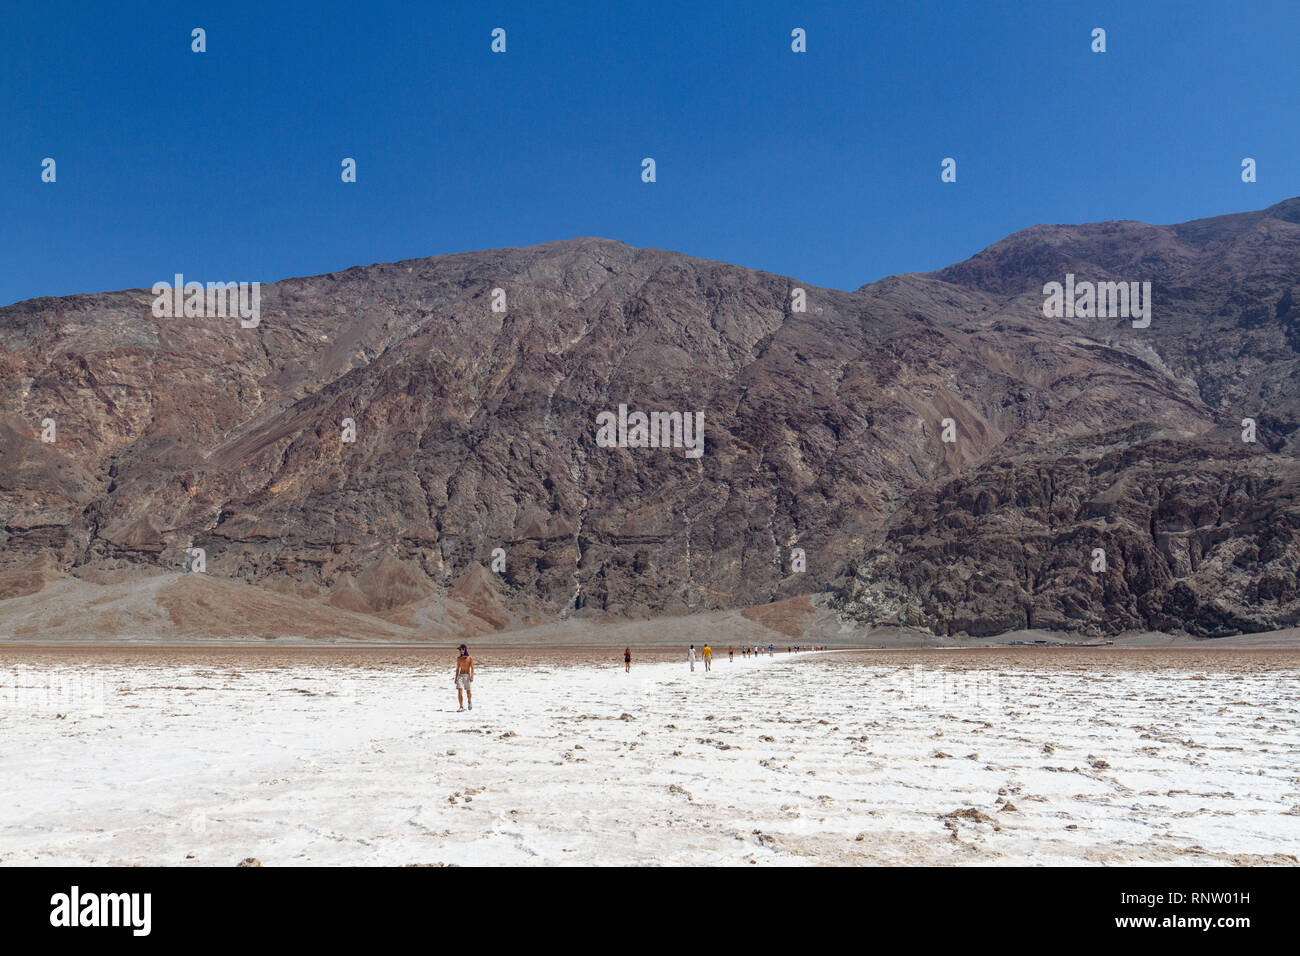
<point x="1207" y="530"/>
<point x="475" y="429"/>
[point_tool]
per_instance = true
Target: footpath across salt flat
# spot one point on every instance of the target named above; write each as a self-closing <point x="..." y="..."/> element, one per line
<point x="785" y="760"/>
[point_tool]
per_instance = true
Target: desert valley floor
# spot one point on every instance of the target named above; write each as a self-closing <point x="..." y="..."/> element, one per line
<point x="210" y="755"/>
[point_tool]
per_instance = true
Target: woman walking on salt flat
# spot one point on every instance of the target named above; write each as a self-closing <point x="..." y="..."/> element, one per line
<point x="464" y="677"/>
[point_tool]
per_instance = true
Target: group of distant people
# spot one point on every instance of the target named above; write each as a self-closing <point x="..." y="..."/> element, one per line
<point x="464" y="673"/>
<point x="705" y="654"/>
<point x="747" y="650"/>
<point x="754" y="651"/>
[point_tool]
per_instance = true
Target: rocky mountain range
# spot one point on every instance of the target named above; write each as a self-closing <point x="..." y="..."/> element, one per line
<point x="930" y="451"/>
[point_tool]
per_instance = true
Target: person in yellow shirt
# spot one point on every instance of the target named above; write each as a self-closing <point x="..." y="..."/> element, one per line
<point x="708" y="657"/>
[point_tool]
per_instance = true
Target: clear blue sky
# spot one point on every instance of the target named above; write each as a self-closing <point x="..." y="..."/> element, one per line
<point x="823" y="166"/>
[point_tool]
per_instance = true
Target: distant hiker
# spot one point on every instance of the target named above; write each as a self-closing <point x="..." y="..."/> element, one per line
<point x="692" y="658"/>
<point x="627" y="661"/>
<point x="771" y="650"/>
<point x="708" y="657"/>
<point x="464" y="677"/>
<point x="731" y="652"/>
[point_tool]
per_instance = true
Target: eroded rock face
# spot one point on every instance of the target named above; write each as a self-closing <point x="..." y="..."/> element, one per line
<point x="475" y="429"/>
<point x="1126" y="531"/>
<point x="1205" y="528"/>
<point x="1226" y="310"/>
